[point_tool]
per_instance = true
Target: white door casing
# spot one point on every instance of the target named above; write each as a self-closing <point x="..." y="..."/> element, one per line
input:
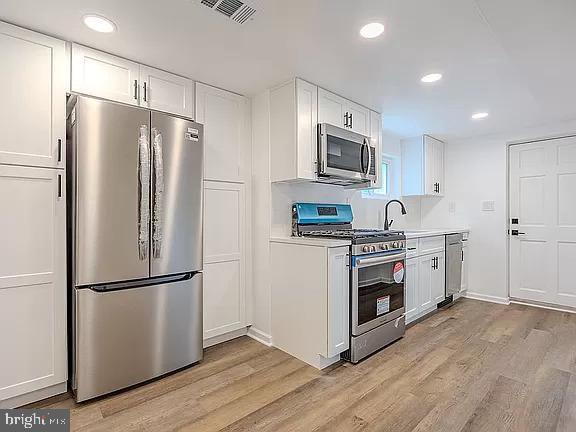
<point x="542" y="177"/>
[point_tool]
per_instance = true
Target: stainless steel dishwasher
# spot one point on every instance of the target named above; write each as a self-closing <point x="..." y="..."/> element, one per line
<point x="453" y="265"/>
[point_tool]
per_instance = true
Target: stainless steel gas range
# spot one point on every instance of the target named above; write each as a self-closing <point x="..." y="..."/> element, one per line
<point x="377" y="267"/>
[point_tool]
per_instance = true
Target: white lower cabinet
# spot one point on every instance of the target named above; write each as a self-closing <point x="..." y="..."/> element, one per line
<point x="32" y="283"/>
<point x="224" y="258"/>
<point x="310" y="301"/>
<point x="425" y="283"/>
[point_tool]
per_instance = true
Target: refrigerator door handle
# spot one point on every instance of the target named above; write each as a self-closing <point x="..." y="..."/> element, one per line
<point x="158" y="205"/>
<point x="143" y="192"/>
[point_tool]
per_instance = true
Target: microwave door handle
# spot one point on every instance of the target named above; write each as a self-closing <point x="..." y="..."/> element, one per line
<point x="369" y="156"/>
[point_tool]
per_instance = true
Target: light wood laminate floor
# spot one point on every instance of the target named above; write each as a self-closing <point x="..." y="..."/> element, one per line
<point x="473" y="367"/>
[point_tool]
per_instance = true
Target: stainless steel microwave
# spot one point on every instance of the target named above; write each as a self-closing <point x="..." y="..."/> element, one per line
<point x="345" y="157"/>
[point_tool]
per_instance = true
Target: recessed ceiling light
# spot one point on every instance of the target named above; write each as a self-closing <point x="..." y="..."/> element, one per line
<point x="372" y="30"/>
<point x="99" y="23"/>
<point x="430" y="78"/>
<point x="479" y="115"/>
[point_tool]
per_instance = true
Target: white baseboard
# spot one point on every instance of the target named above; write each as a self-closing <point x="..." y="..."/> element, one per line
<point x="215" y="340"/>
<point x="543" y="305"/>
<point x="487" y="298"/>
<point x="35" y="396"/>
<point x="260" y="336"/>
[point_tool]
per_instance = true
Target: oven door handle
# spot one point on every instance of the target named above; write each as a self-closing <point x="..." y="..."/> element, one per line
<point x="365" y="262"/>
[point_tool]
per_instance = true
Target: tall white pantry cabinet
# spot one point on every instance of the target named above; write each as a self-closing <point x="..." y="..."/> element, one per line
<point x="33" y="216"/>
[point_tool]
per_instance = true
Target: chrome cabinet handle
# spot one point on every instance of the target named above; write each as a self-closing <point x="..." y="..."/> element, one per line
<point x="143" y="193"/>
<point x="158" y="207"/>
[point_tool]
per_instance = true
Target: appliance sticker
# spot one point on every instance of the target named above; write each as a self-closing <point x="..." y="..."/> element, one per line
<point x="193" y="131"/>
<point x="382" y="305"/>
<point x="398" y="272"/>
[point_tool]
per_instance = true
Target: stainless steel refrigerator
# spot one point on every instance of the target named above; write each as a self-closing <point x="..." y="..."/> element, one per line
<point x="135" y="244"/>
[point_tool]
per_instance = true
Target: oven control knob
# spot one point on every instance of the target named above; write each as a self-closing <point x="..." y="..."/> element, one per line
<point x="366" y="249"/>
<point x="402" y="244"/>
<point x="383" y="246"/>
<point x="372" y="248"/>
<point x="395" y="245"/>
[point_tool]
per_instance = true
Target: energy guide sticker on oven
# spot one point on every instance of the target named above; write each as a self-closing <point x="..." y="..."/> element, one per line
<point x="382" y="305"/>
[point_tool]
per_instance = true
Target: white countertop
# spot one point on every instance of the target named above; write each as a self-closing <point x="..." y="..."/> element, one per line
<point x="412" y="234"/>
<point x="312" y="241"/>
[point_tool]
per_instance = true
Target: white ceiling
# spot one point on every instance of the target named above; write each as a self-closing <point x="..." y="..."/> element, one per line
<point x="513" y="58"/>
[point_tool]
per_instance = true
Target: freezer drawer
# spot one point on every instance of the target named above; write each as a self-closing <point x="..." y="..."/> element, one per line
<point x="128" y="336"/>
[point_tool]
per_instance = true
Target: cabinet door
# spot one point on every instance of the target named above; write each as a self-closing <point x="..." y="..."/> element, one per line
<point x="225" y="117"/>
<point x="411" y="290"/>
<point x="331" y="108"/>
<point x="376" y="139"/>
<point x="360" y="120"/>
<point x="33" y="109"/>
<point x="430" y="166"/>
<point x="465" y="267"/>
<point x="166" y="92"/>
<point x="425" y="295"/>
<point x="338" y="301"/>
<point x="439" y="168"/>
<point x="307" y="132"/>
<point x="439" y="280"/>
<point x="224" y="258"/>
<point x="99" y="74"/>
<point x="32" y="279"/>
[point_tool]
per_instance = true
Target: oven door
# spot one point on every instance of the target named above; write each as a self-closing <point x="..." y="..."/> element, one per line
<point x="345" y="154"/>
<point x="377" y="290"/>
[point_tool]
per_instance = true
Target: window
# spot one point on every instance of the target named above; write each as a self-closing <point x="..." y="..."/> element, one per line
<point x="389" y="183"/>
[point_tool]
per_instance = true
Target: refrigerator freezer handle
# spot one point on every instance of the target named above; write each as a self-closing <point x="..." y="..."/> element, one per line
<point x="143" y="193"/>
<point x="158" y="205"/>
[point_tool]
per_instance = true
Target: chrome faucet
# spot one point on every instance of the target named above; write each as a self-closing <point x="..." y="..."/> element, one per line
<point x="386" y="223"/>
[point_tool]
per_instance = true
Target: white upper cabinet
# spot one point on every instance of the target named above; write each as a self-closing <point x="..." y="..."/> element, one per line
<point x="332" y="109"/>
<point x="33" y="110"/>
<point x="341" y="112"/>
<point x="359" y="118"/>
<point x="166" y="92"/>
<point x="423" y="166"/>
<point x="99" y="74"/>
<point x="226" y="120"/>
<point x="109" y="77"/>
<point x="296" y="109"/>
<point x="32" y="280"/>
<point x="293" y="131"/>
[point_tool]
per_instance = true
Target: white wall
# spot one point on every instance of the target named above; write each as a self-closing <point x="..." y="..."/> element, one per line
<point x="476" y="171"/>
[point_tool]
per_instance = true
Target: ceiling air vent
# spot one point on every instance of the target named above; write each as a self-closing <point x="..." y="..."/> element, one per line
<point x="236" y="10"/>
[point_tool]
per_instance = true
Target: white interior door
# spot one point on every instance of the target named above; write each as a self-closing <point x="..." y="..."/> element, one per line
<point x="542" y="198"/>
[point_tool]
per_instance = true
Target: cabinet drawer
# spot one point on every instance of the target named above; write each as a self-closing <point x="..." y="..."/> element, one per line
<point x="411" y="248"/>
<point x="428" y="245"/>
